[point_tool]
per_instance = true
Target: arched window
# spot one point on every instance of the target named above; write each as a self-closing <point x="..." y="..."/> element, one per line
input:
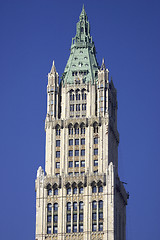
<point x="76" y="129"/>
<point x="56" y="191"/>
<point x="69" y="190"/>
<point x="100" y="189"/>
<point x="94" y="189"/>
<point x="100" y="204"/>
<point x="94" y="205"/>
<point x="49" y="192"/>
<point x="75" y="190"/>
<point x="81" y="190"/>
<point x="80" y="205"/>
<point x="75" y="206"/>
<point x="49" y="207"/>
<point x="55" y="206"/>
<point x="78" y="96"/>
<point x="82" y="128"/>
<point x="95" y="127"/>
<point x="68" y="206"/>
<point x="58" y="130"/>
<point x="71" y="95"/>
<point x="70" y="129"/>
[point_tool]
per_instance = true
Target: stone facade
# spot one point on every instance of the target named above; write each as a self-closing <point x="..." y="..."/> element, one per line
<point x="80" y="195"/>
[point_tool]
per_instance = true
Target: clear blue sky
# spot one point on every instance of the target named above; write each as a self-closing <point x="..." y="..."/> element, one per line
<point x="33" y="33"/>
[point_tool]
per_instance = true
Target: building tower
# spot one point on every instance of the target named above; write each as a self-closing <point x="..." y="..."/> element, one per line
<point x="80" y="195"/>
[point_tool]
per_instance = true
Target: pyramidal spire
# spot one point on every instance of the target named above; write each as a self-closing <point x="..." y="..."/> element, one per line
<point x="53" y="69"/>
<point x="83" y="14"/>
<point x="103" y="67"/>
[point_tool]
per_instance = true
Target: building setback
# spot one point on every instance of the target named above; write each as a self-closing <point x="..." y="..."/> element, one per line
<point x="80" y="195"/>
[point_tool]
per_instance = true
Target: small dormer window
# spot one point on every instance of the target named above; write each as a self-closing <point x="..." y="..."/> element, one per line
<point x="81" y="52"/>
<point x="80" y="64"/>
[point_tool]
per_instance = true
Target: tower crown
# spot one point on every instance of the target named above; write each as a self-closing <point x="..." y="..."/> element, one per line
<point x="82" y="64"/>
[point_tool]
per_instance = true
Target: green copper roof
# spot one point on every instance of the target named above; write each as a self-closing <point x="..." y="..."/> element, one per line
<point x="82" y="63"/>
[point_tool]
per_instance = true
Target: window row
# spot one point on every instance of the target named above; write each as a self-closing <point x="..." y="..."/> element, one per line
<point x="76" y="153"/>
<point x="75" y="206"/>
<point x="76" y="173"/>
<point x="77" y="96"/>
<point x="76" y="141"/>
<point x="76" y="130"/>
<point x="77" y="107"/>
<point x="76" y="164"/>
<point x="75" y="190"/>
<point x="97" y="216"/>
<point x="94" y="189"/>
<point x="49" y="207"/>
<point x="76" y="126"/>
<point x="52" y="191"/>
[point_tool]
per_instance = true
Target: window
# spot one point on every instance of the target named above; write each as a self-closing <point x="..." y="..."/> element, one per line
<point x="57" y="164"/>
<point x="50" y="192"/>
<point x="49" y="230"/>
<point x="70" y="173"/>
<point x="70" y="165"/>
<point x="57" y="154"/>
<point x="96" y="151"/>
<point x="94" y="216"/>
<point x="55" y="229"/>
<point x="70" y="153"/>
<point x="76" y="152"/>
<point x="94" y="189"/>
<point x="83" y="130"/>
<point x="95" y="162"/>
<point x="77" y="107"/>
<point x="55" y="218"/>
<point x="94" y="204"/>
<point x="82" y="173"/>
<point x="68" y="206"/>
<point x="75" y="206"/>
<point x="76" y="164"/>
<point x="68" y="228"/>
<point x="100" y="189"/>
<point x="83" y="152"/>
<point x="49" y="218"/>
<point x="71" y="107"/>
<point x="57" y="174"/>
<point x="83" y="96"/>
<point x="82" y="163"/>
<point x="70" y="142"/>
<point x="96" y="172"/>
<point x="72" y="95"/>
<point x="94" y="227"/>
<point x="95" y="128"/>
<point x="84" y="106"/>
<point x="57" y="143"/>
<point x="58" y="131"/>
<point x="76" y="173"/>
<point x="75" y="190"/>
<point x="74" y="228"/>
<point x="69" y="190"/>
<point x="100" y="226"/>
<point x="81" y="227"/>
<point x="100" y="215"/>
<point x="68" y="217"/>
<point x="76" y="141"/>
<point x="80" y="205"/>
<point x="81" y="217"/>
<point x="76" y="130"/>
<point x="56" y="191"/>
<point x="74" y="217"/>
<point x="70" y="130"/>
<point x="100" y="204"/>
<point x="95" y="140"/>
<point x="82" y="141"/>
<point x="49" y="207"/>
<point x="81" y="190"/>
<point x="55" y="206"/>
<point x="78" y="96"/>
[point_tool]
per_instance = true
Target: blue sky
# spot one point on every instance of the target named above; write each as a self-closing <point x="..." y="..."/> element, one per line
<point x="33" y="33"/>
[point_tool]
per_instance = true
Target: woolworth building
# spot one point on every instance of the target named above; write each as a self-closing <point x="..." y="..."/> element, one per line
<point x="79" y="195"/>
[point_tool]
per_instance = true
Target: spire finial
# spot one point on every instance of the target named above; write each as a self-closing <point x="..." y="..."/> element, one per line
<point x="103" y="67"/>
<point x="53" y="69"/>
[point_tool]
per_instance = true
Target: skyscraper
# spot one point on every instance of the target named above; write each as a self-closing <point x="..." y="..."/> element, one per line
<point x="80" y="195"/>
